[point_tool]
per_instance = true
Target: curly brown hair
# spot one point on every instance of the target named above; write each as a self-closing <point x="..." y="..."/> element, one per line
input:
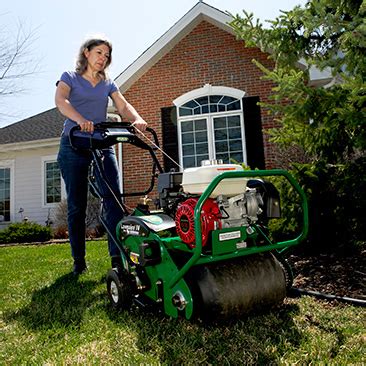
<point x="82" y="62"/>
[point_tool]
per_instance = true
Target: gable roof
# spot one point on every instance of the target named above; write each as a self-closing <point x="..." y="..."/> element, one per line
<point x="200" y="12"/>
<point x="45" y="125"/>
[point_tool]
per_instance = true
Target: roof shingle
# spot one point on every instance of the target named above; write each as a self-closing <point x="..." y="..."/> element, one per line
<point x="42" y="126"/>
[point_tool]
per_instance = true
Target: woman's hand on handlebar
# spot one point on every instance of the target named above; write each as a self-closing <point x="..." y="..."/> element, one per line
<point x="140" y="125"/>
<point x="86" y="126"/>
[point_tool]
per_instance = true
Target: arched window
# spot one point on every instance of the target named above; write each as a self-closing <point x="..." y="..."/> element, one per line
<point x="211" y="125"/>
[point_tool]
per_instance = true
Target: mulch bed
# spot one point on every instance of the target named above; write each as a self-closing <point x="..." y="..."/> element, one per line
<point x="340" y="275"/>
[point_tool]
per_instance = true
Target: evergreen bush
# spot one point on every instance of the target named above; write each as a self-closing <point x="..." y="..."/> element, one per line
<point x="327" y="125"/>
<point x="25" y="232"/>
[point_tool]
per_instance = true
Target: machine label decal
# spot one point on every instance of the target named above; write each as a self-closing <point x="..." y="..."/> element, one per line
<point x="122" y="139"/>
<point x="241" y="244"/>
<point x="230" y="235"/>
<point x="131" y="229"/>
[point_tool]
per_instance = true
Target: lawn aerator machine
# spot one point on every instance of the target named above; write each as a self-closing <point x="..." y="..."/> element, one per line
<point x="205" y="249"/>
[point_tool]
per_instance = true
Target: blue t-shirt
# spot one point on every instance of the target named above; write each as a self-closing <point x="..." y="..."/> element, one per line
<point x="91" y="102"/>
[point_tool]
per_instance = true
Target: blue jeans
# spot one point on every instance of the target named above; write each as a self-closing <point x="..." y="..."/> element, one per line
<point x="74" y="166"/>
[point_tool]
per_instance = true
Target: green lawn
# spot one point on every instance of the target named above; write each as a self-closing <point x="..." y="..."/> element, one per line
<point x="50" y="317"/>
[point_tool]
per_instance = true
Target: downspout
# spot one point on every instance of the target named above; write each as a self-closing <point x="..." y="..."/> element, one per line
<point x="120" y="167"/>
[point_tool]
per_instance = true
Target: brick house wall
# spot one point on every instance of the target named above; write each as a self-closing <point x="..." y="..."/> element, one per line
<point x="207" y="55"/>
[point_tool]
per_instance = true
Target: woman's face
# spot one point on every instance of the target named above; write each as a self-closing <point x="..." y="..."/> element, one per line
<point x="98" y="57"/>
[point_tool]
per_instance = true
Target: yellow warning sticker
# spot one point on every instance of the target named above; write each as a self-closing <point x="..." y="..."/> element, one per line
<point x="134" y="258"/>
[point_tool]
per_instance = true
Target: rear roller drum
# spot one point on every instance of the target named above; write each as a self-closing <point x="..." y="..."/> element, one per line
<point x="237" y="287"/>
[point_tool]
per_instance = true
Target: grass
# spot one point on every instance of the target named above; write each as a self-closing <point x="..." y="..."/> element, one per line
<point x="50" y="317"/>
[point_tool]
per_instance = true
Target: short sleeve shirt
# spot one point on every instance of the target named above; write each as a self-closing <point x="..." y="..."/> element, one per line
<point x="90" y="101"/>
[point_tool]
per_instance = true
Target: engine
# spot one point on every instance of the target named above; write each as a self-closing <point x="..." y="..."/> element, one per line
<point x="219" y="213"/>
<point x="184" y="220"/>
<point x="235" y="202"/>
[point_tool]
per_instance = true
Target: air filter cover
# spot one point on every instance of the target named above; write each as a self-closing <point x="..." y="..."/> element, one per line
<point x="196" y="180"/>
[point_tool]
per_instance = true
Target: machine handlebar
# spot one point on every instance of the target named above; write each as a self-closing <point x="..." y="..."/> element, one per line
<point x="107" y="134"/>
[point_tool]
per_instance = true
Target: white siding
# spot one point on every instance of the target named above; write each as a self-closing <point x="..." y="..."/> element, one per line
<point x="28" y="175"/>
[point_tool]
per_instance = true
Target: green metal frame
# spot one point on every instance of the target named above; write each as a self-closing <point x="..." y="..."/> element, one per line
<point x="197" y="257"/>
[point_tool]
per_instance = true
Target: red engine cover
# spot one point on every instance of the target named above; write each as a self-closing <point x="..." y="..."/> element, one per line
<point x="184" y="220"/>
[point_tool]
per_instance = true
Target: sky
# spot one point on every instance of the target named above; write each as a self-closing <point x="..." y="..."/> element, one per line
<point x="59" y="28"/>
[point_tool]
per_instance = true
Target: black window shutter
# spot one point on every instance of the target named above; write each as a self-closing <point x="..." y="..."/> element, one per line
<point x="170" y="137"/>
<point x="253" y="133"/>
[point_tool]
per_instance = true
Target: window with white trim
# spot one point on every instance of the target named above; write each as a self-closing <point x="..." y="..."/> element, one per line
<point x="5" y="194"/>
<point x="52" y="182"/>
<point x="211" y="126"/>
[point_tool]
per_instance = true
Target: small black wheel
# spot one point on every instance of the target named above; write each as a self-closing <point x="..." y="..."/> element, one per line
<point x="119" y="290"/>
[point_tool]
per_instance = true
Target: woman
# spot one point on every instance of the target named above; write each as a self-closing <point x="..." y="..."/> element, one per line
<point x="82" y="97"/>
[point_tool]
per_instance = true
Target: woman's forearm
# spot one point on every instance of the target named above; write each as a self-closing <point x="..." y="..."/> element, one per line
<point x="129" y="112"/>
<point x="69" y="111"/>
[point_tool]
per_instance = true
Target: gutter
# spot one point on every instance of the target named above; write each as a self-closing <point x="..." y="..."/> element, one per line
<point x="25" y="145"/>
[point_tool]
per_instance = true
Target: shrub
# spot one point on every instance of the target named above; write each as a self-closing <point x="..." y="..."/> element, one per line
<point x="336" y="197"/>
<point x="25" y="232"/>
<point x="326" y="124"/>
<point x="93" y="226"/>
